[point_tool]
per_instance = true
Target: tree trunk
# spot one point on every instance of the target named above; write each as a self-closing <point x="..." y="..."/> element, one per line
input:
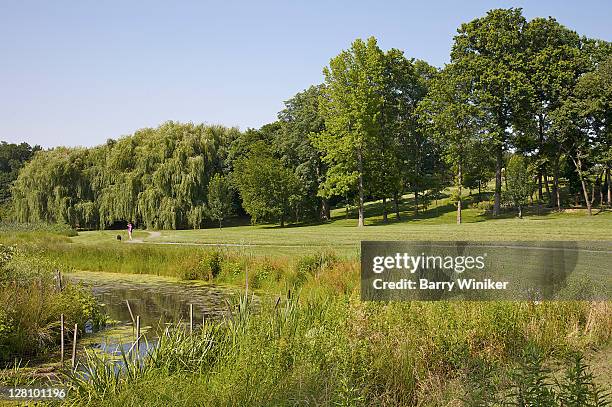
<point x="593" y="193"/>
<point x="608" y="180"/>
<point x="540" y="194"/>
<point x="578" y="165"/>
<point x="555" y="188"/>
<point x="384" y="203"/>
<point x="459" y="184"/>
<point x="361" y="203"/>
<point x="547" y="187"/>
<point x="416" y="202"/>
<point x="396" y="204"/>
<point x="520" y="209"/>
<point x="498" y="179"/>
<point x="282" y="221"/>
<point x="601" y="184"/>
<point x="479" y="190"/>
<point x="220" y="223"/>
<point x="325" y="210"/>
<point x="540" y="152"/>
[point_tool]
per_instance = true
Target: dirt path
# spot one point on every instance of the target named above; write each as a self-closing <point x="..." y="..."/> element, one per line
<point x="152" y="235"/>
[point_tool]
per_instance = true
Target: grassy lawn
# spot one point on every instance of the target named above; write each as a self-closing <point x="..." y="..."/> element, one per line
<point x="342" y="236"/>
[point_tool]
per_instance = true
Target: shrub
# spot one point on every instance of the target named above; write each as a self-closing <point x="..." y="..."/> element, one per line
<point x="30" y="305"/>
<point x="205" y="267"/>
<point x="315" y="263"/>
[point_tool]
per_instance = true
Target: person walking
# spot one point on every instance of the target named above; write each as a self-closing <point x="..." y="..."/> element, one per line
<point x="130" y="227"/>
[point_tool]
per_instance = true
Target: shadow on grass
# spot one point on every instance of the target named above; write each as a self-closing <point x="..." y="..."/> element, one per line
<point x="511" y="213"/>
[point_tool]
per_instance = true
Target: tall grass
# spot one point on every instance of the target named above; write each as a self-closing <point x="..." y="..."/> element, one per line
<point x="319" y="344"/>
<point x="31" y="304"/>
<point x="340" y="351"/>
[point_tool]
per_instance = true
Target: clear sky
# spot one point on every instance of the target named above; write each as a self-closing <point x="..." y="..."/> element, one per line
<point x="79" y="72"/>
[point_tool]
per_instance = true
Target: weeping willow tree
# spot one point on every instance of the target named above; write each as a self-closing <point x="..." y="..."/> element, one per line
<point x="156" y="177"/>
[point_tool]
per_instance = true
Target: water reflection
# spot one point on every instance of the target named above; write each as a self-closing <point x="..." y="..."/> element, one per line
<point x="158" y="301"/>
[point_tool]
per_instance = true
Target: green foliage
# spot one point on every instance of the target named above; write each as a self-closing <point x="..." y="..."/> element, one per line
<point x="204" y="267"/>
<point x="157" y="178"/>
<point x="268" y="190"/>
<point x="336" y="350"/>
<point x="300" y="122"/>
<point x="454" y="123"/>
<point x="316" y="263"/>
<point x="519" y="182"/>
<point x="533" y="384"/>
<point x="220" y="194"/>
<point x="579" y="388"/>
<point x="30" y="305"/>
<point x="351" y="105"/>
<point x="489" y="52"/>
<point x="12" y="159"/>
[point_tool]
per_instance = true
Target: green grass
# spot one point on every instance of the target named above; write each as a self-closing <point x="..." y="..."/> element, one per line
<point x="31" y="303"/>
<point x="337" y="350"/>
<point x="343" y="236"/>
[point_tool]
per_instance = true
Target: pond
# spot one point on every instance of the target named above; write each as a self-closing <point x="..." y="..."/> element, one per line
<point x="159" y="301"/>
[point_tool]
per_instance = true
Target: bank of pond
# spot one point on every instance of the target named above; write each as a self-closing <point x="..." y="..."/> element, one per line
<point x="299" y="334"/>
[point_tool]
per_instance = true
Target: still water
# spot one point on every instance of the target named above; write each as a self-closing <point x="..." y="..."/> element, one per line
<point x="158" y="301"/>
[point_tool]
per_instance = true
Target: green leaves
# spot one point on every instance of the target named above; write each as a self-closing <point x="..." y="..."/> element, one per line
<point x="157" y="178"/>
<point x="269" y="191"/>
<point x="220" y="195"/>
<point x="519" y="181"/>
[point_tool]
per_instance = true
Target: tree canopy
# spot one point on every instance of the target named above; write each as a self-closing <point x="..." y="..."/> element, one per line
<point x="156" y="177"/>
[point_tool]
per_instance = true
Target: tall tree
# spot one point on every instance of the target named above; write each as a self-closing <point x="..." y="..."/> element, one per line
<point x="398" y="144"/>
<point x="351" y="106"/>
<point x="301" y="121"/>
<point x="156" y="177"/>
<point x="585" y="121"/>
<point x="453" y="121"/>
<point x="553" y="62"/>
<point x="491" y="49"/>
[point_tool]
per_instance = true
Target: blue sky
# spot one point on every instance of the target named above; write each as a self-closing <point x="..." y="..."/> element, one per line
<point x="79" y="72"/>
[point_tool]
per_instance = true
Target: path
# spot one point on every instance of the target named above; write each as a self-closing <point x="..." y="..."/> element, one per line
<point x="152" y="235"/>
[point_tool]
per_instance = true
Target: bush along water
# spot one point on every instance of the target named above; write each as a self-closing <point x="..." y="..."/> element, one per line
<point x="31" y="302"/>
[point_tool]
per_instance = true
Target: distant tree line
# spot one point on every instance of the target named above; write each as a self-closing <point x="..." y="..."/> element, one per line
<point x="12" y="158"/>
<point x="527" y="104"/>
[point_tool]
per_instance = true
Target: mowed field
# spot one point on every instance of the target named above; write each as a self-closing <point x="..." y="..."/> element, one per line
<point x="342" y="236"/>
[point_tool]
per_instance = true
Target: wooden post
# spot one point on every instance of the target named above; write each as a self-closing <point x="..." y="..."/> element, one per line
<point x="190" y="319"/>
<point x="62" y="339"/>
<point x="246" y="280"/>
<point x="137" y="335"/>
<point x="74" y="341"/>
<point x="131" y="316"/>
<point x="130" y="309"/>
